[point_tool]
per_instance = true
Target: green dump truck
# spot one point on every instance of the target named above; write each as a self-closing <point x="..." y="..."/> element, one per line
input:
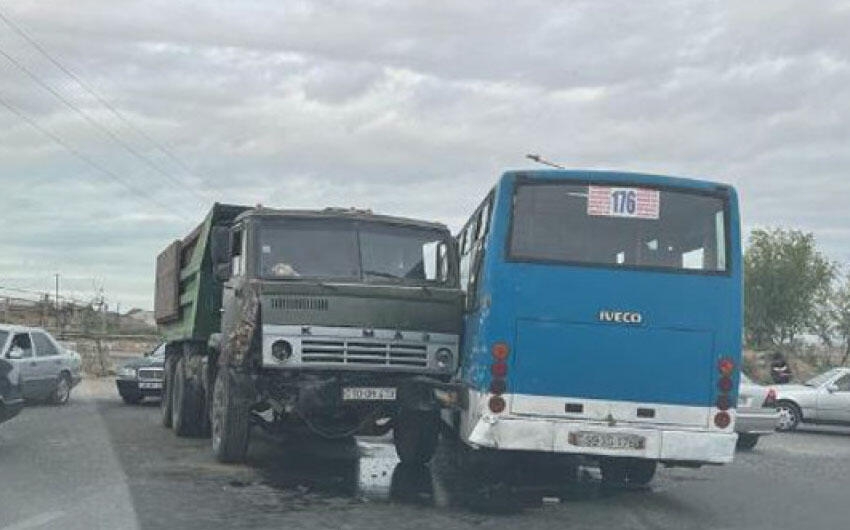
<point x="331" y="322"/>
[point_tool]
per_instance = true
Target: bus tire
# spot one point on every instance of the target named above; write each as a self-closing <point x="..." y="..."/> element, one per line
<point x="640" y="471"/>
<point x="229" y="419"/>
<point x="747" y="440"/>
<point x="165" y="399"/>
<point x="415" y="436"/>
<point x="613" y="471"/>
<point x="185" y="402"/>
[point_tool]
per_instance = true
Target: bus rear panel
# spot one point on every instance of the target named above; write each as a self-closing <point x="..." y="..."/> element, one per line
<point x="604" y="316"/>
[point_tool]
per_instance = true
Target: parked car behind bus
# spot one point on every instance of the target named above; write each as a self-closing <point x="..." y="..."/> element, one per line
<point x="756" y="414"/>
<point x="141" y="378"/>
<point x="823" y="399"/>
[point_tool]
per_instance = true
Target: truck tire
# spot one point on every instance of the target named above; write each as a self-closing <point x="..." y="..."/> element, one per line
<point x="165" y="400"/>
<point x="416" y="435"/>
<point x="230" y="423"/>
<point x="186" y="402"/>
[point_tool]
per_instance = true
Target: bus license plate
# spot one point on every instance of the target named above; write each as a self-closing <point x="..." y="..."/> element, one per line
<point x="155" y="385"/>
<point x="368" y="394"/>
<point x="607" y="440"/>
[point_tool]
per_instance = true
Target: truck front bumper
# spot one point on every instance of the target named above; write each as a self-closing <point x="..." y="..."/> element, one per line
<point x="554" y="435"/>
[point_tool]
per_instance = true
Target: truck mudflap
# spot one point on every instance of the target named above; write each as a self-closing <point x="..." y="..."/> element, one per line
<point x="244" y="337"/>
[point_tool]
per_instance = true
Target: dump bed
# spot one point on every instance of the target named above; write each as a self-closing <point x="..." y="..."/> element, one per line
<point x="188" y="298"/>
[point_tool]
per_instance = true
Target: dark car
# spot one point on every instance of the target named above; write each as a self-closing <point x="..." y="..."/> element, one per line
<point x="141" y="378"/>
<point x="11" y="400"/>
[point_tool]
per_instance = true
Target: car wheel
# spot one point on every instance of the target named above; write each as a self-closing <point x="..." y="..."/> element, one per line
<point x="747" y="440"/>
<point x="131" y="399"/>
<point x="789" y="416"/>
<point x="62" y="393"/>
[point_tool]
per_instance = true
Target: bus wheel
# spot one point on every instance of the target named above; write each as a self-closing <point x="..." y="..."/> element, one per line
<point x="185" y="404"/>
<point x="613" y="472"/>
<point x="416" y="435"/>
<point x="229" y="419"/>
<point x="640" y="471"/>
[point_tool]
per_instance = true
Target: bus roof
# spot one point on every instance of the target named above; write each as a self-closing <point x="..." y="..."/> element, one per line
<point x="615" y="177"/>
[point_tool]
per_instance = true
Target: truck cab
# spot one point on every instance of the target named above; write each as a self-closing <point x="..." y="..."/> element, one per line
<point x="332" y="321"/>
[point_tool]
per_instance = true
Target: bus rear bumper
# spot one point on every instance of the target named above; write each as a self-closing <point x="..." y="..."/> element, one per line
<point x="559" y="436"/>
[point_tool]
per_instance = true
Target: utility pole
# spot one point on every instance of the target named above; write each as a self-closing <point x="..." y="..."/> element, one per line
<point x="58" y="306"/>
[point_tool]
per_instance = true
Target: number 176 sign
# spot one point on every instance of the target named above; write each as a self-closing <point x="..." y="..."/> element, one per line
<point x="612" y="201"/>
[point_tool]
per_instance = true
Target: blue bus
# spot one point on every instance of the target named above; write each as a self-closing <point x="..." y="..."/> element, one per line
<point x="603" y="319"/>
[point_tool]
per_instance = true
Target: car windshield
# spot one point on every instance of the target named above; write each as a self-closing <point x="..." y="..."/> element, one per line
<point x="348" y="250"/>
<point x="818" y="380"/>
<point x="620" y="226"/>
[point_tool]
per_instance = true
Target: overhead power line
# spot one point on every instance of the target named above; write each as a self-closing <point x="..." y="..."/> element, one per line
<point x="90" y="161"/>
<point x="98" y="125"/>
<point x="100" y="99"/>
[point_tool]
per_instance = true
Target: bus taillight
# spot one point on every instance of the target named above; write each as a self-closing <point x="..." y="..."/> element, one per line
<point x="726" y="366"/>
<point x="500" y="351"/>
<point x="496" y="404"/>
<point x="722" y="419"/>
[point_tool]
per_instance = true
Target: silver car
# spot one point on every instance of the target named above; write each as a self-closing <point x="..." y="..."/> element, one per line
<point x="756" y="414"/>
<point x="824" y="398"/>
<point x="47" y="371"/>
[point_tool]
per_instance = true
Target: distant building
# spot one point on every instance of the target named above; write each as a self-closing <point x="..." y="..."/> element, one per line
<point x="142" y="315"/>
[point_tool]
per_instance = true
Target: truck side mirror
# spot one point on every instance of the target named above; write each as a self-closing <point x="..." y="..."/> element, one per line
<point x="222" y="272"/>
<point x="220" y="246"/>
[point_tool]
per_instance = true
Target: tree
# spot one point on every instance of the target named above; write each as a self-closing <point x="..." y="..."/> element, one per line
<point x="784" y="276"/>
<point x="841" y="315"/>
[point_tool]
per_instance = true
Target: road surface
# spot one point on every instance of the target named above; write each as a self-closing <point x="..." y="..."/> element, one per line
<point x="97" y="463"/>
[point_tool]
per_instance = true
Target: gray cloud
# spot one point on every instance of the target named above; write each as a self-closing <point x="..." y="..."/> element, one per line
<point x="408" y="108"/>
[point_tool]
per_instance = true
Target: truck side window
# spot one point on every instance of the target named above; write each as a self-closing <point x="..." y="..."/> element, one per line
<point x="237" y="254"/>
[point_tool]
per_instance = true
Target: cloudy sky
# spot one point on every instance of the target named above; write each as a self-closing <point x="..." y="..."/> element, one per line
<point x="409" y="108"/>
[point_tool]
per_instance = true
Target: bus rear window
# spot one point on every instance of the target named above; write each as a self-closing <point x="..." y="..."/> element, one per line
<point x="622" y="225"/>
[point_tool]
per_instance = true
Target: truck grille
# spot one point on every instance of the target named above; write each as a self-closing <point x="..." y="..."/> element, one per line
<point x="300" y="304"/>
<point x="363" y="353"/>
<point x="150" y="373"/>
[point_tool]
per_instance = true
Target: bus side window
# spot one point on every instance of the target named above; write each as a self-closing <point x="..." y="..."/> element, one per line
<point x="483" y="220"/>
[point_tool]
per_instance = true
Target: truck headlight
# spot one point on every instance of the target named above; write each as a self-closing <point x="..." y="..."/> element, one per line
<point x="127" y="372"/>
<point x="444" y="358"/>
<point x="281" y="350"/>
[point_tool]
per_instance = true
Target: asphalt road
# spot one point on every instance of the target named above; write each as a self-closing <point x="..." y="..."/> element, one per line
<point x="97" y="463"/>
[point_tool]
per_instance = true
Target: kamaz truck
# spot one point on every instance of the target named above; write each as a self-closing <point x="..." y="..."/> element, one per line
<point x="332" y="323"/>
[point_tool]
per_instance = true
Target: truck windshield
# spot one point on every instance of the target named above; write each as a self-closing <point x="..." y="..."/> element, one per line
<point x="348" y="250"/>
<point x="621" y="225"/>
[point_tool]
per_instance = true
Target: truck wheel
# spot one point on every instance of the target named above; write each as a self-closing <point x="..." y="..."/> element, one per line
<point x="416" y="435"/>
<point x="747" y="440"/>
<point x="185" y="402"/>
<point x="165" y="400"/>
<point x="229" y="419"/>
<point x="640" y="471"/>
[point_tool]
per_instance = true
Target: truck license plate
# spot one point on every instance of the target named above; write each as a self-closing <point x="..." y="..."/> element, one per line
<point x="368" y="394"/>
<point x="153" y="385"/>
<point x="607" y="440"/>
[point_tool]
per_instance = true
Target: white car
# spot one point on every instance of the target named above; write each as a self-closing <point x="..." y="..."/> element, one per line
<point x="47" y="371"/>
<point x="756" y="414"/>
<point x="823" y="399"/>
